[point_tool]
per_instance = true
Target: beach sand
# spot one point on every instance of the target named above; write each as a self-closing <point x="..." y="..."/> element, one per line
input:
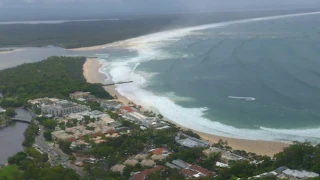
<point x="10" y="51"/>
<point x="91" y="73"/>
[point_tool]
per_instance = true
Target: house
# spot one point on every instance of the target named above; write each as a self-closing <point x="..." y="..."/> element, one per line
<point x="143" y="174"/>
<point x="172" y="166"/>
<point x="158" y="151"/>
<point x="125" y="109"/>
<point x="299" y="174"/>
<point x="79" y="164"/>
<point x="201" y="170"/>
<point x="188" y="173"/>
<point x="62" y="135"/>
<point x="189" y="141"/>
<point x="180" y="163"/>
<point x="225" y="155"/>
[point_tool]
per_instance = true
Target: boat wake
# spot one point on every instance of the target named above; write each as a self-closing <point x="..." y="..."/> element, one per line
<point x="244" y="98"/>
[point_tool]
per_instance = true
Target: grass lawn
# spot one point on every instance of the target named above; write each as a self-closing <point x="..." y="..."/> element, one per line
<point x="8" y="171"/>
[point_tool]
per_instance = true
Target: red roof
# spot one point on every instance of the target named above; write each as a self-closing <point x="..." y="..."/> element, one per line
<point x="142" y="175"/>
<point x="204" y="171"/>
<point x="152" y="170"/>
<point x="139" y="176"/>
<point x="158" y="151"/>
<point x="127" y="109"/>
<point x="110" y="131"/>
<point x="188" y="172"/>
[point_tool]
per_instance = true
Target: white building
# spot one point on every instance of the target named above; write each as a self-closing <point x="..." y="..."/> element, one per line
<point x="62" y="108"/>
<point x="299" y="174"/>
<point x="144" y="120"/>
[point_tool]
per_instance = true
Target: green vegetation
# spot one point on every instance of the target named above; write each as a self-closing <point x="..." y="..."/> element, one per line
<point x="78" y="34"/>
<point x="36" y="155"/>
<point x="10" y="172"/>
<point x="49" y="124"/>
<point x="10" y="102"/>
<point x="10" y="112"/>
<point x="30" y="133"/>
<point x="17" y="158"/>
<point x="300" y="156"/>
<point x="31" y="164"/>
<point x="47" y="135"/>
<point x="82" y="34"/>
<point x="54" y="77"/>
<point x="65" y="147"/>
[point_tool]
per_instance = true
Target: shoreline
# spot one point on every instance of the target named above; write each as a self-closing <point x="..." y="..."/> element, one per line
<point x="260" y="147"/>
<point x="10" y="51"/>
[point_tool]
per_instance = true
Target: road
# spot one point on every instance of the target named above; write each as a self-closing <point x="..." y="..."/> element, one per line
<point x="56" y="156"/>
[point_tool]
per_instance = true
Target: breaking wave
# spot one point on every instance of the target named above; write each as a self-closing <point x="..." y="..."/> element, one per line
<point x="148" y="48"/>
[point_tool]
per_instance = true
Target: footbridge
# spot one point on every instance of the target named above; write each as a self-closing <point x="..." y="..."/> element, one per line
<point x="21" y="119"/>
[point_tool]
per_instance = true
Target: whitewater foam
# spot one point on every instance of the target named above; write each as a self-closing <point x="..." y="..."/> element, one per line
<point x="148" y="48"/>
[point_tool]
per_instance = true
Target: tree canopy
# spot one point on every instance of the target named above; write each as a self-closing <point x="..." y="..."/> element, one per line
<point x="53" y="77"/>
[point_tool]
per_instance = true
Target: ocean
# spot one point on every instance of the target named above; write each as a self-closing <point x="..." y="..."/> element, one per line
<point x="252" y="79"/>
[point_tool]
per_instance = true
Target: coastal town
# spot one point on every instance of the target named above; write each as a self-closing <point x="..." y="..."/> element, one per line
<point x="90" y="135"/>
<point x="82" y="128"/>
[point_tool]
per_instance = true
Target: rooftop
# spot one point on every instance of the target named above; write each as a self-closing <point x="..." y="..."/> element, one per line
<point x="188" y="172"/>
<point x="300" y="174"/>
<point x="202" y="170"/>
<point x="158" y="151"/>
<point x="180" y="163"/>
<point x="192" y="142"/>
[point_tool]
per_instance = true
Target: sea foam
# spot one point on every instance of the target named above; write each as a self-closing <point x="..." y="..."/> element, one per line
<point x="148" y="48"/>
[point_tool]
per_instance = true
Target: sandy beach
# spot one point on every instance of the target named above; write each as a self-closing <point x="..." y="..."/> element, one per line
<point x="89" y="48"/>
<point x="92" y="74"/>
<point x="10" y="51"/>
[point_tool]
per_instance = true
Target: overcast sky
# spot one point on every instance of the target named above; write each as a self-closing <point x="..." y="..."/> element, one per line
<point x="32" y="8"/>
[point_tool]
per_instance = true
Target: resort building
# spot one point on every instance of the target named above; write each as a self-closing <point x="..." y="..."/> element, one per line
<point x="62" y="107"/>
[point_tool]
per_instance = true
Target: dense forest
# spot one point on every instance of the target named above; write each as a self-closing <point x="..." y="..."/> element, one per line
<point x="89" y="33"/>
<point x="54" y="77"/>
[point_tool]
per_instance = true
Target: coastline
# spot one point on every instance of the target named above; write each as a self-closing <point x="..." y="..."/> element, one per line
<point x="10" y="51"/>
<point x="92" y="74"/>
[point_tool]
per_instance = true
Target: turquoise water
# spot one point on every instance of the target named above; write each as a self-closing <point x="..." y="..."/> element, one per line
<point x="192" y="75"/>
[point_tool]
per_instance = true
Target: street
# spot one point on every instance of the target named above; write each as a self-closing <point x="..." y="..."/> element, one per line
<point x="56" y="156"/>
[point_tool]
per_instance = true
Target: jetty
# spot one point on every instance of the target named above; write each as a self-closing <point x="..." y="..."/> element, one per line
<point x="122" y="82"/>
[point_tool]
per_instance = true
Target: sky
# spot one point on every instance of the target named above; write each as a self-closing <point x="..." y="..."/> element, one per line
<point x="43" y="9"/>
